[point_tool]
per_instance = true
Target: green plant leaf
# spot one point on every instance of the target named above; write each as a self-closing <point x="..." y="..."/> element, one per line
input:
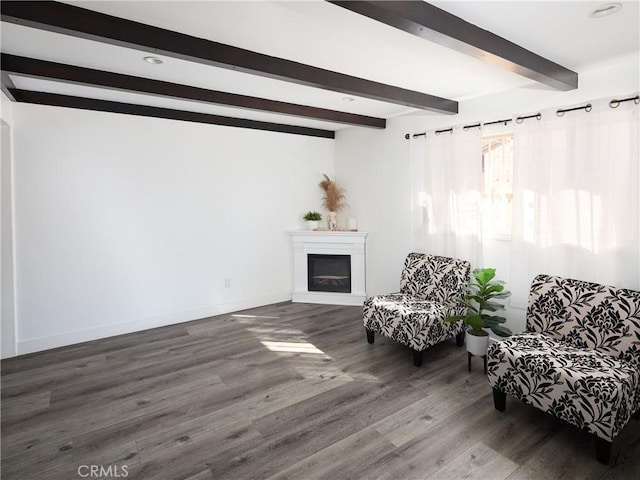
<point x="478" y="299"/>
<point x="494" y="288"/>
<point x="493" y="307"/>
<point x="501" y="331"/>
<point x="475" y="321"/>
<point x="491" y="320"/>
<point x="312" y="215"/>
<point x="484" y="275"/>
<point x="504" y="294"/>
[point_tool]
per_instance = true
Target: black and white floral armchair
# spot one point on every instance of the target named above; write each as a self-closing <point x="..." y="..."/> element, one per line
<point x="578" y="360"/>
<point x="429" y="288"/>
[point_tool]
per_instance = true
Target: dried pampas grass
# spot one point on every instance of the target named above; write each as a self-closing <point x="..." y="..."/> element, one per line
<point x="333" y="195"/>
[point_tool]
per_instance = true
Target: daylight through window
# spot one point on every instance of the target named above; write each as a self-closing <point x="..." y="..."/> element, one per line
<point x="497" y="179"/>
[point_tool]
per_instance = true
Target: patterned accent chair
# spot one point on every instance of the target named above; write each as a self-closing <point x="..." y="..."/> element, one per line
<point x="579" y="358"/>
<point x="429" y="288"/>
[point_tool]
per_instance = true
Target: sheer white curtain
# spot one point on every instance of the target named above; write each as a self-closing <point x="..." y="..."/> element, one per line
<point x="446" y="186"/>
<point x="576" y="206"/>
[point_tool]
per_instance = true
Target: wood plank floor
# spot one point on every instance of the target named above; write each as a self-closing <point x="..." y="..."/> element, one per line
<point x="286" y="391"/>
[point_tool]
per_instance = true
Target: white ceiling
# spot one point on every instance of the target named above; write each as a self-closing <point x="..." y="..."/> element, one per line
<point x="324" y="35"/>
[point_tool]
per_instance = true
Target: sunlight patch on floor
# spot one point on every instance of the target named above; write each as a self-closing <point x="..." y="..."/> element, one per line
<point x="292" y="347"/>
<point x="236" y="315"/>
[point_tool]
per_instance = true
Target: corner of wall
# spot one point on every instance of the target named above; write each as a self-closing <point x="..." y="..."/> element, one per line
<point x="6" y="109"/>
<point x="7" y="270"/>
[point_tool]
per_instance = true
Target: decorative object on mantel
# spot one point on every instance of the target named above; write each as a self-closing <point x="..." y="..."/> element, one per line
<point x="332" y="199"/>
<point x="312" y="218"/>
<point x="478" y="300"/>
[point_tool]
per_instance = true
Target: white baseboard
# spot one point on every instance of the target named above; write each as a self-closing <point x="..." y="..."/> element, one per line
<point x="329" y="298"/>
<point x="32" y="345"/>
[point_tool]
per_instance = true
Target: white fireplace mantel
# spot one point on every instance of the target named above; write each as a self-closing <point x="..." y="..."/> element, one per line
<point x="307" y="242"/>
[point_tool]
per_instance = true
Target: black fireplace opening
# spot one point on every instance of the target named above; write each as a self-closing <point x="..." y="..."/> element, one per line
<point x="329" y="273"/>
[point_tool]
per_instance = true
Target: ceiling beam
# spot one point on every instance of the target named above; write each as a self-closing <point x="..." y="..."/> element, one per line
<point x="58" y="100"/>
<point x="434" y="24"/>
<point x="86" y="76"/>
<point x="71" y="20"/>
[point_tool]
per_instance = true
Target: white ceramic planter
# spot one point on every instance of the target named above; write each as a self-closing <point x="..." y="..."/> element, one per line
<point x="476" y="344"/>
<point x="312" y="224"/>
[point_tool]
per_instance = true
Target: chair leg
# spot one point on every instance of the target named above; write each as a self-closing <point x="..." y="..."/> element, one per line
<point x="417" y="358"/>
<point x="603" y="450"/>
<point x="460" y="339"/>
<point x="499" y="400"/>
<point x="370" y="335"/>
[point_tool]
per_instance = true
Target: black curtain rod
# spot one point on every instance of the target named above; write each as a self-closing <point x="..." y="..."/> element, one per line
<point x="561" y="111"/>
<point x="408" y="136"/>
<point x="466" y="127"/>
<point x="498" y="121"/>
<point x="616" y="103"/>
<point x="537" y="116"/>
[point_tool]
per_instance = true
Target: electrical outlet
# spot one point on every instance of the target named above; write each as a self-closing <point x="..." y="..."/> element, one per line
<point x="227" y="282"/>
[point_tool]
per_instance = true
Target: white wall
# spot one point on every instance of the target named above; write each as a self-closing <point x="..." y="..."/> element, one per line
<point x="124" y="223"/>
<point x="7" y="310"/>
<point x="374" y="167"/>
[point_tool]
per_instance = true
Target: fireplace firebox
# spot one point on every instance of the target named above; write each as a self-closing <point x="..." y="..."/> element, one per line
<point x="329" y="273"/>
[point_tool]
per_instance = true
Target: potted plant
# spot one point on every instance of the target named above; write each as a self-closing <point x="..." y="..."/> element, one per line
<point x="479" y="299"/>
<point x="312" y="219"/>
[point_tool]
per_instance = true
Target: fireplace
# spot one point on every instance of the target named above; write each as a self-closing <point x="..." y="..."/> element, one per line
<point x="328" y="267"/>
<point x="328" y="273"/>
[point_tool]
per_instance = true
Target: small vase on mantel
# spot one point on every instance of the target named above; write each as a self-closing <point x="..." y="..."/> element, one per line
<point x="332" y="221"/>
<point x="312" y="224"/>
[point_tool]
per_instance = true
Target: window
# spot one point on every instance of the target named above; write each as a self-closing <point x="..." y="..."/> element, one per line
<point x="497" y="185"/>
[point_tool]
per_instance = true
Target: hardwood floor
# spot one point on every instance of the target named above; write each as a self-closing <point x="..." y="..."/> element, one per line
<point x="286" y="391"/>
